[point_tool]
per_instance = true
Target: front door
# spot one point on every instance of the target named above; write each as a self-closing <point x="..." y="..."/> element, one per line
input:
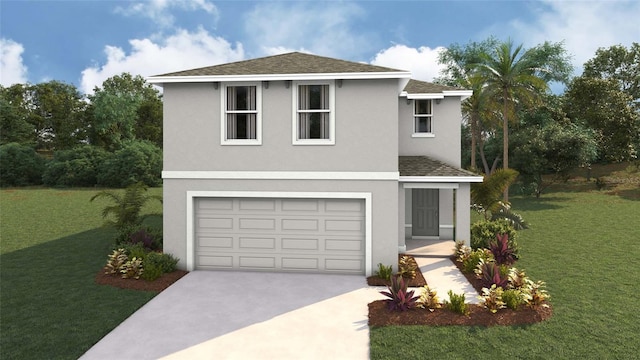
<point x="425" y="212"/>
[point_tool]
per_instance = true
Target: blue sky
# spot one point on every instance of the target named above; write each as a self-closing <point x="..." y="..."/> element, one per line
<point x="85" y="42"/>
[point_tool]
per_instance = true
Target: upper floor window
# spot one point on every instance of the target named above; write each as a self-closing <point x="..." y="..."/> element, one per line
<point x="422" y="118"/>
<point x="314" y="114"/>
<point x="241" y="120"/>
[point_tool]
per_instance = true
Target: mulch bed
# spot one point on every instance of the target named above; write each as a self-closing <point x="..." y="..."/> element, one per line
<point x="380" y="315"/>
<point x="157" y="285"/>
<point x="418" y="281"/>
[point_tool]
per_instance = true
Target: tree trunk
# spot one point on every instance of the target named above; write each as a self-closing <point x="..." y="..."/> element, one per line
<point x="505" y="141"/>
<point x="474" y="130"/>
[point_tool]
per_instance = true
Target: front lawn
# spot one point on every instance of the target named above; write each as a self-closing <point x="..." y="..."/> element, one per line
<point x="586" y="247"/>
<point x="53" y="244"/>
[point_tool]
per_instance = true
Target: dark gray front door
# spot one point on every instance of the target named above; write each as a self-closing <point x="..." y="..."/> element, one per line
<point x="425" y="212"/>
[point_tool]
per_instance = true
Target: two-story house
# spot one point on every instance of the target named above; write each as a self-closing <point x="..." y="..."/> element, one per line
<point x="298" y="162"/>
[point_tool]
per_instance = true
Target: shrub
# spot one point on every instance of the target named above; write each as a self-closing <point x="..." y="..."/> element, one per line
<point x="534" y="294"/>
<point x="126" y="208"/>
<point x="407" y="267"/>
<point x="399" y="297"/>
<point x="75" y="167"/>
<point x="517" y="278"/>
<point x="457" y="303"/>
<point x="483" y="232"/>
<point x="20" y="165"/>
<point x="116" y="261"/>
<point x="502" y="250"/>
<point x="461" y="251"/>
<point x="428" y="299"/>
<point x="471" y="262"/>
<point x="492" y="298"/>
<point x="132" y="269"/>
<point x="165" y="262"/>
<point x="136" y="161"/>
<point x="384" y="272"/>
<point x="512" y="298"/>
<point x="135" y="250"/>
<point x="491" y="273"/>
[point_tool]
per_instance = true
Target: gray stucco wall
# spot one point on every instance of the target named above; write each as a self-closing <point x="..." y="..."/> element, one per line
<point x="366" y="131"/>
<point x="445" y="145"/>
<point x="384" y="209"/>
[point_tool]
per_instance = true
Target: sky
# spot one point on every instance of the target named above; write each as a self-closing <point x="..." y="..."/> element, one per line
<point x="84" y="42"/>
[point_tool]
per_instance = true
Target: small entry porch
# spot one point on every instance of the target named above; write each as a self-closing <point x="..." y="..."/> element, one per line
<point x="434" y="205"/>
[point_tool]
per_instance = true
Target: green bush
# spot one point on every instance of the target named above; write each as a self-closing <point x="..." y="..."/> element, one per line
<point x="512" y="298"/>
<point x="136" y="161"/>
<point x="485" y="231"/>
<point x="470" y="263"/>
<point x="456" y="303"/>
<point x="384" y="272"/>
<point x="75" y="167"/>
<point x="135" y="251"/>
<point x="126" y="207"/>
<point x="165" y="262"/>
<point x="20" y="165"/>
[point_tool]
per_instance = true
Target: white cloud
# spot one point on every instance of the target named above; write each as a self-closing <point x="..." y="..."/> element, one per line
<point x="422" y="61"/>
<point x="326" y="28"/>
<point x="182" y="50"/>
<point x="12" y="69"/>
<point x="583" y="26"/>
<point x="160" y="10"/>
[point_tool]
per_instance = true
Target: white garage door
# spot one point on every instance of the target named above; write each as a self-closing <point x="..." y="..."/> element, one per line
<point x="303" y="235"/>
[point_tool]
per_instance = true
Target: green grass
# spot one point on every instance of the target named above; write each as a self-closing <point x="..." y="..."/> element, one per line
<point x="52" y="246"/>
<point x="586" y="247"/>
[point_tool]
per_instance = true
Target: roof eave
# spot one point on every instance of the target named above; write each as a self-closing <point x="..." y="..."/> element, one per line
<point x="463" y="94"/>
<point x="441" y="179"/>
<point x="277" y="77"/>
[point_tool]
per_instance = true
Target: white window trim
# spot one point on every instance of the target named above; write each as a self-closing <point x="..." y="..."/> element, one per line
<point x="332" y="114"/>
<point x="415" y="133"/>
<point x="223" y="115"/>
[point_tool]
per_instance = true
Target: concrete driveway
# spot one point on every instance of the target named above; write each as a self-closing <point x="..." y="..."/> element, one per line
<point x="248" y="315"/>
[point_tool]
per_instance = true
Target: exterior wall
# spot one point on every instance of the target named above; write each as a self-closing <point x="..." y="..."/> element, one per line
<point x="446" y="214"/>
<point x="366" y="131"/>
<point x="384" y="216"/>
<point x="445" y="145"/>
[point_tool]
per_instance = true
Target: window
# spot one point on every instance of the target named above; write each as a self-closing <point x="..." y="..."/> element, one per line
<point x="313" y="116"/>
<point x="241" y="117"/>
<point x="422" y="116"/>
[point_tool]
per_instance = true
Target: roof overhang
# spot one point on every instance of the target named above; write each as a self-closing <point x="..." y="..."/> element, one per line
<point x="463" y="94"/>
<point x="440" y="179"/>
<point x="159" y="80"/>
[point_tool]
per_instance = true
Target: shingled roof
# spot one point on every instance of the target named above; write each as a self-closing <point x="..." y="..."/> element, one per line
<point x="290" y="63"/>
<point x="426" y="166"/>
<point x="423" y="87"/>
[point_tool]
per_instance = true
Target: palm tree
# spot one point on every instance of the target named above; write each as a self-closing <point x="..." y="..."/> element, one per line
<point x="512" y="76"/>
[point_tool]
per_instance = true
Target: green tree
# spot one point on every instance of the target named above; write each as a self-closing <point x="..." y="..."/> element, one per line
<point x="123" y="109"/>
<point x="55" y="110"/>
<point x="617" y="63"/>
<point x="20" y="165"/>
<point x="600" y="105"/>
<point x="460" y="69"/>
<point x="517" y="77"/>
<point x="14" y="126"/>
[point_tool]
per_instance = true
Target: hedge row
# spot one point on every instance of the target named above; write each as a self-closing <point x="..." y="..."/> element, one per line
<point x="85" y="165"/>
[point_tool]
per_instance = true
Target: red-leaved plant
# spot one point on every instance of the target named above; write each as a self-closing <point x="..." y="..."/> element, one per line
<point x="489" y="273"/>
<point x="399" y="297"/>
<point x="503" y="252"/>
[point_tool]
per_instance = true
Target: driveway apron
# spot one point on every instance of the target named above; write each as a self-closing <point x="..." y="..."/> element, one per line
<point x="240" y="315"/>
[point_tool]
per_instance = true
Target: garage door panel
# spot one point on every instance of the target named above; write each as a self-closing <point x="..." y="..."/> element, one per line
<point x="299" y="224"/>
<point x="257" y="224"/>
<point x="257" y="262"/>
<point x="344" y="225"/>
<point x="307" y="235"/>
<point x="305" y="205"/>
<point x="215" y="242"/>
<point x="215" y="223"/>
<point x="300" y="244"/>
<point x="257" y="243"/>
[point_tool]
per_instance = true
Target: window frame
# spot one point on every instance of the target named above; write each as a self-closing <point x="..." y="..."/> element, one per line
<point x="224" y="112"/>
<point x="417" y="115"/>
<point x="295" y="139"/>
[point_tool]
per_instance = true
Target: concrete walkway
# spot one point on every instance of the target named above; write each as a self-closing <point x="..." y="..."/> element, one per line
<point x="255" y="315"/>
